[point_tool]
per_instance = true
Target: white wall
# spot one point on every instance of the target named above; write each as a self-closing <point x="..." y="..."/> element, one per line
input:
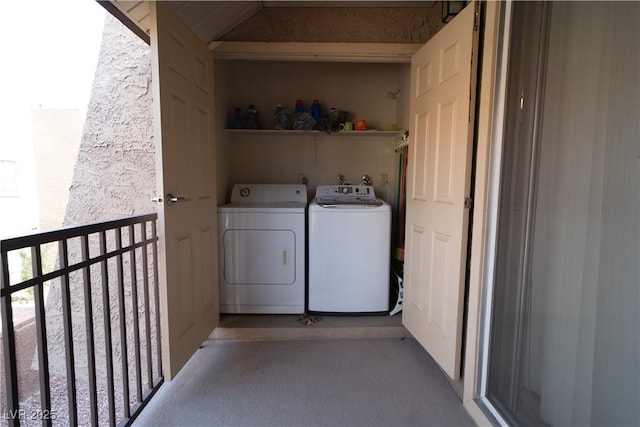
<point x="360" y="89"/>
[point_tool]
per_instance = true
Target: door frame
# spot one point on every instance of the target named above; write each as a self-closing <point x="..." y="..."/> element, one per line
<point x="489" y="116"/>
<point x="489" y="122"/>
<point x="489" y="111"/>
<point x="491" y="119"/>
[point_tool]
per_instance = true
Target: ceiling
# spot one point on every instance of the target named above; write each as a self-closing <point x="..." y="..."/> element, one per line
<point x="210" y="20"/>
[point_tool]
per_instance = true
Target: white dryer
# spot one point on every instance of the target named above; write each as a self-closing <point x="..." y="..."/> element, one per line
<point x="262" y="249"/>
<point x="349" y="250"/>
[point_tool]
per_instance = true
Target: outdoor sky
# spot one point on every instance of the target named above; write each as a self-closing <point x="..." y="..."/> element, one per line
<point x="49" y="51"/>
<point x="49" y="56"/>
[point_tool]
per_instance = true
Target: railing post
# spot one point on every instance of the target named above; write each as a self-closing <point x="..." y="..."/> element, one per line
<point x="156" y="278"/>
<point x="88" y="314"/>
<point x="123" y="327"/>
<point x="9" y="346"/>
<point x="41" y="334"/>
<point x="106" y="310"/>
<point x="134" y="313"/>
<point x="70" y="291"/>
<point x="63" y="253"/>
<point x="147" y="306"/>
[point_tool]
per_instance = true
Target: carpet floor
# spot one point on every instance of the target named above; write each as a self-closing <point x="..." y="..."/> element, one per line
<point x="358" y="382"/>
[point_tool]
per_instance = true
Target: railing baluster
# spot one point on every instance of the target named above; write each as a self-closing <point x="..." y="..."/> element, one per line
<point x="123" y="327"/>
<point x="147" y="307"/>
<point x="88" y="315"/>
<point x="106" y="309"/>
<point x="9" y="346"/>
<point x="156" y="286"/>
<point x="68" y="334"/>
<point x="41" y="334"/>
<point x="64" y="273"/>
<point x="134" y="310"/>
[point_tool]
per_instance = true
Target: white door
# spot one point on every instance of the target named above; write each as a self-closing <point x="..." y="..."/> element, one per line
<point x="183" y="112"/>
<point x="438" y="182"/>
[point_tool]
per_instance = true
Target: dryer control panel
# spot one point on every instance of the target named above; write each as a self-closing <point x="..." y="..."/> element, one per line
<point x="269" y="193"/>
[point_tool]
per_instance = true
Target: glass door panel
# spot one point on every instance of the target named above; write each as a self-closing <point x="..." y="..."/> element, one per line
<point x="565" y="341"/>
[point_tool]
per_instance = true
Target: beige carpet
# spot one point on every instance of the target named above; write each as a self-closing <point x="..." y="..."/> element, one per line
<point x="308" y="382"/>
<point x="265" y="327"/>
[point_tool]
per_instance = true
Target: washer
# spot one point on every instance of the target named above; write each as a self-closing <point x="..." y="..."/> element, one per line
<point x="349" y="250"/>
<point x="262" y="249"/>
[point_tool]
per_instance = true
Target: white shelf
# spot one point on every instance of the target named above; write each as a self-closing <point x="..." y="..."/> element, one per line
<point x="314" y="133"/>
<point x="316" y="51"/>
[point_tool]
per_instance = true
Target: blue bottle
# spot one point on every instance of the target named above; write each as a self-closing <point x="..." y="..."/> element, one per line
<point x="316" y="109"/>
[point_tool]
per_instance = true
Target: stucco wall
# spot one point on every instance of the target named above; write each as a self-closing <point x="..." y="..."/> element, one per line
<point x="115" y="171"/>
<point x="114" y="177"/>
<point x="325" y="24"/>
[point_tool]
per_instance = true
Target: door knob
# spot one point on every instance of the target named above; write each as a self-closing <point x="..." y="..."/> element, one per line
<point x="171" y="199"/>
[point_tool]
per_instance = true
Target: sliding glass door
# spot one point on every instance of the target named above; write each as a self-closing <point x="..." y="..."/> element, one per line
<point x="564" y="343"/>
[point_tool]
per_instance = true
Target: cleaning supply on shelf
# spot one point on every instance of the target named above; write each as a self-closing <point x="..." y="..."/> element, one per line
<point x="281" y="118"/>
<point x="334" y="120"/>
<point x="304" y="121"/>
<point x="360" y="125"/>
<point x="316" y="109"/>
<point x="299" y="108"/>
<point x="252" y="118"/>
<point x="237" y="118"/>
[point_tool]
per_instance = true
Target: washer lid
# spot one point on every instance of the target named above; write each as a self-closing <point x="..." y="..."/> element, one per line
<point x="378" y="206"/>
<point x="334" y="202"/>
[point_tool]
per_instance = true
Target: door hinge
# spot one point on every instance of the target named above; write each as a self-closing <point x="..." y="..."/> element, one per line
<point x="468" y="202"/>
<point x="476" y="15"/>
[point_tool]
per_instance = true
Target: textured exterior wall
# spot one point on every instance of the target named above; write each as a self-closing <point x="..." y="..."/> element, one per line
<point x="325" y="24"/>
<point x="114" y="177"/>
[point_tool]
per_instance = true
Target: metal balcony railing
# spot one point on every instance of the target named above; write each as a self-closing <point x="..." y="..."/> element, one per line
<point x="90" y="352"/>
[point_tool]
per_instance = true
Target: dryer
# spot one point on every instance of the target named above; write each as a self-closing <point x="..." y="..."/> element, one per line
<point x="349" y="250"/>
<point x="262" y="249"/>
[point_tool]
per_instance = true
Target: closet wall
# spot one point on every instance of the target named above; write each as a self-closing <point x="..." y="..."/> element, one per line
<point x="362" y="89"/>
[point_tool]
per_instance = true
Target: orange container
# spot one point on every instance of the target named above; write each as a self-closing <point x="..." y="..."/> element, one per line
<point x="360" y="125"/>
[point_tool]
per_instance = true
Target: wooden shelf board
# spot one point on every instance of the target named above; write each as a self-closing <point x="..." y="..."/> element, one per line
<point x="313" y="132"/>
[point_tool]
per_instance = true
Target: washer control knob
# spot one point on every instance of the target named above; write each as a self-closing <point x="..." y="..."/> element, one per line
<point x="245" y="191"/>
<point x="344" y="190"/>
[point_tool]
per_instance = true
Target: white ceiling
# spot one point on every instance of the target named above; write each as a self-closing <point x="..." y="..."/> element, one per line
<point x="210" y="20"/>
